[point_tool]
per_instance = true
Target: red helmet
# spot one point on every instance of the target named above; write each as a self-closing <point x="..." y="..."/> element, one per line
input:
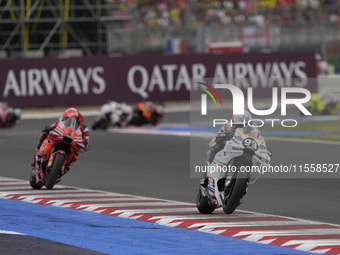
<point x="71" y="113"/>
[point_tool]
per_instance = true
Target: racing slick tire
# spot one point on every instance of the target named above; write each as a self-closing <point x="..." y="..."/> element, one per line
<point x="232" y="200"/>
<point x="53" y="175"/>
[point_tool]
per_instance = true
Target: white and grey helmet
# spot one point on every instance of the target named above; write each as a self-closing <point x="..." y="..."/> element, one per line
<point x="241" y="120"/>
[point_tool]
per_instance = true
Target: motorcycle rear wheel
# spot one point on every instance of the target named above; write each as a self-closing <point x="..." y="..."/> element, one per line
<point x="202" y="203"/>
<point x="55" y="171"/>
<point x="239" y="190"/>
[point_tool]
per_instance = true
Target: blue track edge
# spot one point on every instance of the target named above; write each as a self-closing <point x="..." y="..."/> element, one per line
<point x="114" y="235"/>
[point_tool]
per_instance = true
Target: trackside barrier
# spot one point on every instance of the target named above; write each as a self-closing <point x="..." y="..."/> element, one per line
<point x="93" y="80"/>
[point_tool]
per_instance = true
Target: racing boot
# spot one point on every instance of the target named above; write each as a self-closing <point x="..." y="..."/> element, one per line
<point x="211" y="157"/>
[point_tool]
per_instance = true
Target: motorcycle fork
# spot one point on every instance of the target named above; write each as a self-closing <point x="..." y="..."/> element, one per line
<point x="51" y="160"/>
<point x="72" y="159"/>
<point x="229" y="184"/>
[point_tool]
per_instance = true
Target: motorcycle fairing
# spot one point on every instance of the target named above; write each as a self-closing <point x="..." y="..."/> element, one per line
<point x="234" y="148"/>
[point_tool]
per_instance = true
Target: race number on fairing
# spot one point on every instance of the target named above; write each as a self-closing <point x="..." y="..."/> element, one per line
<point x="250" y="144"/>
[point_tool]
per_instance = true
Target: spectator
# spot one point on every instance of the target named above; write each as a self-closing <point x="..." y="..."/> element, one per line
<point x="321" y="65"/>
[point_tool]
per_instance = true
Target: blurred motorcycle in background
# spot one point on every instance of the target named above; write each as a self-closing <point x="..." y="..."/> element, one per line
<point x="113" y="114"/>
<point x="9" y="116"/>
<point x="122" y="115"/>
<point x="323" y="104"/>
<point x="147" y="113"/>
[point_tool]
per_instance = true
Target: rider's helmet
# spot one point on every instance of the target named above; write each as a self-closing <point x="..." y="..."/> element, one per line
<point x="12" y="116"/>
<point x="147" y="110"/>
<point x="71" y="113"/>
<point x="159" y="109"/>
<point x="17" y="113"/>
<point x="241" y="120"/>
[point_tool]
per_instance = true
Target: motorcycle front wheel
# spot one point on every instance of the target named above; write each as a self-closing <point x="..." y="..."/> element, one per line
<point x="53" y="175"/>
<point x="232" y="200"/>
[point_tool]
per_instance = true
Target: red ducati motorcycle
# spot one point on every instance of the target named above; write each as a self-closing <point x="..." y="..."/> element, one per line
<point x="66" y="143"/>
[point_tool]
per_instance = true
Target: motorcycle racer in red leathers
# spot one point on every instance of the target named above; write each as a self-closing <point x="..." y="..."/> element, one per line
<point x="148" y="113"/>
<point x="45" y="144"/>
<point x="8" y="116"/>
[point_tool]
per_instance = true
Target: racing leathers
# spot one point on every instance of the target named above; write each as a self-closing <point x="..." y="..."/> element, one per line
<point x="148" y="113"/>
<point x="219" y="141"/>
<point x="44" y="140"/>
<point x="120" y="114"/>
<point x="8" y="116"/>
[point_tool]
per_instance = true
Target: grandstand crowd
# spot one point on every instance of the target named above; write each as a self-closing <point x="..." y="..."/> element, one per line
<point x="260" y="12"/>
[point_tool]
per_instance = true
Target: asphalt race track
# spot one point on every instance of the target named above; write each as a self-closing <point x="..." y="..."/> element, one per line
<point x="158" y="166"/>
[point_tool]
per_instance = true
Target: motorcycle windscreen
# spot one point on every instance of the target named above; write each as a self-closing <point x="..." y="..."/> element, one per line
<point x="250" y="130"/>
<point x="71" y="122"/>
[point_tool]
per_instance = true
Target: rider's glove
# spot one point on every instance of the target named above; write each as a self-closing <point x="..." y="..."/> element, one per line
<point x="87" y="147"/>
<point x="47" y="129"/>
<point x="221" y="138"/>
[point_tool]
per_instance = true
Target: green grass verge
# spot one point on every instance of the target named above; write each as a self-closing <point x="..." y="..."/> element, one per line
<point x="328" y="126"/>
